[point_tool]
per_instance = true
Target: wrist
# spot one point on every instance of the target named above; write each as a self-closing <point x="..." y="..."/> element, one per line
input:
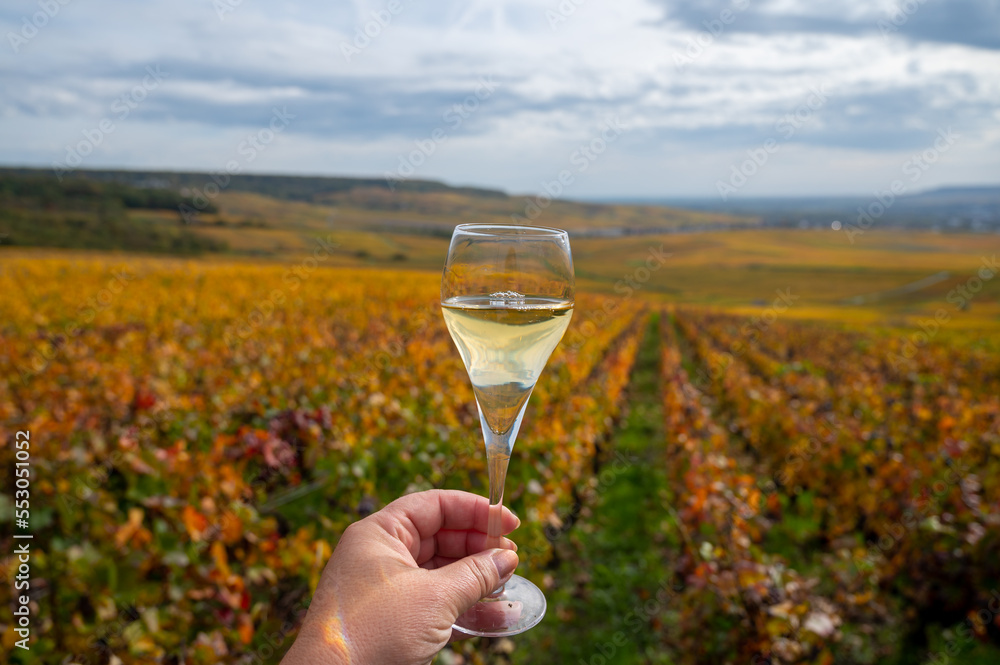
<point x="308" y="651"/>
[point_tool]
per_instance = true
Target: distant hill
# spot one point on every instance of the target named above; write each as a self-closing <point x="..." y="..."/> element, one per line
<point x="291" y="188"/>
<point x="38" y="210"/>
<point x="411" y="206"/>
<point x="971" y="208"/>
<point x="957" y="195"/>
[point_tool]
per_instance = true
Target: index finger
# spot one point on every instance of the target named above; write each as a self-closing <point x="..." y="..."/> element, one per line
<point x="419" y="516"/>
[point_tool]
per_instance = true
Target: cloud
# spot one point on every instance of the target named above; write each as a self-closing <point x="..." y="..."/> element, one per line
<point x="969" y="22"/>
<point x="645" y="61"/>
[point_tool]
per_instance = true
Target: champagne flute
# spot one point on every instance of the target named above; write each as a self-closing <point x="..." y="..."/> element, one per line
<point x="507" y="298"/>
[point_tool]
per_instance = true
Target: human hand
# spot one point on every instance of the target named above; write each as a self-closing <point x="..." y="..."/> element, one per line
<point x="399" y="579"/>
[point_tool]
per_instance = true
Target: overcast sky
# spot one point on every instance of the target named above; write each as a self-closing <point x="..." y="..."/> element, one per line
<point x="829" y="96"/>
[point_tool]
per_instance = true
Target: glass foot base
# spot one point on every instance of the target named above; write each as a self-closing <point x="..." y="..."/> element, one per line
<point x="520" y="606"/>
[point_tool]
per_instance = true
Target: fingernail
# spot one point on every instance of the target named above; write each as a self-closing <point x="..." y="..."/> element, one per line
<point x="510" y="542"/>
<point x="505" y="561"/>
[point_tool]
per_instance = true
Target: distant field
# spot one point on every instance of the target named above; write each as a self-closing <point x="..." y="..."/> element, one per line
<point x="884" y="275"/>
<point x="743" y="269"/>
<point x="738" y="269"/>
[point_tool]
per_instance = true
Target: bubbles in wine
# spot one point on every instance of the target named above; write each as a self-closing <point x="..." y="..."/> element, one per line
<point x="502" y="298"/>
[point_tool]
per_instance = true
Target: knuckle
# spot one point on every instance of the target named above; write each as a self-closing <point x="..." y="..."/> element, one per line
<point x="354" y="532"/>
<point x="485" y="572"/>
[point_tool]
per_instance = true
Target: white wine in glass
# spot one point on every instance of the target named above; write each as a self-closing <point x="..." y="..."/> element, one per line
<point x="507" y="298"/>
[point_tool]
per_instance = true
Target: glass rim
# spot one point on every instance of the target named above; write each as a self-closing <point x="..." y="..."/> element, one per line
<point x="479" y="229"/>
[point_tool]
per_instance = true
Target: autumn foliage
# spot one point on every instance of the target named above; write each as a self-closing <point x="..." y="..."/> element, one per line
<point x="836" y="501"/>
<point x="202" y="433"/>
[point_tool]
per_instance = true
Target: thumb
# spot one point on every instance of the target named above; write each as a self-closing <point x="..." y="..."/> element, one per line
<point x="468" y="580"/>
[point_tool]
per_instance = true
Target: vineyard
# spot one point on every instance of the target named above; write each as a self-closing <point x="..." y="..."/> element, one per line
<point x="838" y="493"/>
<point x="202" y="433"/>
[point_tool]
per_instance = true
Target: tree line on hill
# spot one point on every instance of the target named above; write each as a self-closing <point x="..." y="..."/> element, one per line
<point x="311" y="189"/>
<point x="37" y="209"/>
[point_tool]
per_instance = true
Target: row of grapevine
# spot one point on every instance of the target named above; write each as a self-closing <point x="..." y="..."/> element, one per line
<point x="883" y="476"/>
<point x="737" y="600"/>
<point x="202" y="434"/>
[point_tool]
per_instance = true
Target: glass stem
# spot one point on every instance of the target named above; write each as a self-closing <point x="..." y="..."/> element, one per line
<point x="497" y="463"/>
<point x="498" y="449"/>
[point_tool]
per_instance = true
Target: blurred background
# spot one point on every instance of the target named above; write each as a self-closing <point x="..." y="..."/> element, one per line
<point x="771" y="434"/>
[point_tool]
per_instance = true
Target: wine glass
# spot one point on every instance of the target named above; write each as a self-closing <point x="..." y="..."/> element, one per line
<point x="507" y="298"/>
